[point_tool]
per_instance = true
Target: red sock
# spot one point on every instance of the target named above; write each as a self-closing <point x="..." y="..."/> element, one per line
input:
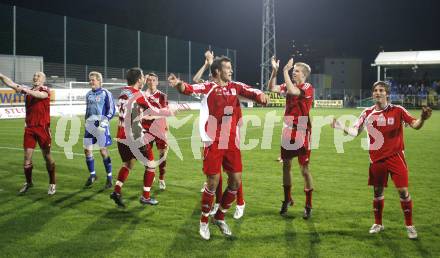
<point x="51" y="172"/>
<point x="148" y="181"/>
<point x="407" y="206"/>
<point x="28" y="173"/>
<point x="378" y="204"/>
<point x="122" y="176"/>
<point x="287" y="194"/>
<point x="227" y="200"/>
<point x="308" y="197"/>
<point x="162" y="168"/>
<point x="240" y="200"/>
<point x="219" y="190"/>
<point x="207" y="199"/>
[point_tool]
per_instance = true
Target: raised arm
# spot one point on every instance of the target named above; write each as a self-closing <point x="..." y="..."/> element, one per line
<point x="176" y="83"/>
<point x="209" y="58"/>
<point x="418" y="123"/>
<point x="6" y="80"/>
<point x="291" y="88"/>
<point x="273" y="76"/>
<point x="20" y="89"/>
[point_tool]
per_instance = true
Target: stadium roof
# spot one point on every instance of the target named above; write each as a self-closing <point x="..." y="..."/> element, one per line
<point x="431" y="57"/>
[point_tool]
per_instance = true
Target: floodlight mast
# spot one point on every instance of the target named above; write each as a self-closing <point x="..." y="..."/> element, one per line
<point x="268" y="47"/>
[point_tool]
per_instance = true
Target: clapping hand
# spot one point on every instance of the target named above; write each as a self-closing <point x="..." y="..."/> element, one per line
<point x="289" y="65"/>
<point x="209" y="57"/>
<point x="426" y="113"/>
<point x="275" y="63"/>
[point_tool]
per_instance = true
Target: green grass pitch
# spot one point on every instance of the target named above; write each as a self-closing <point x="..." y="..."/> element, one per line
<point x="85" y="223"/>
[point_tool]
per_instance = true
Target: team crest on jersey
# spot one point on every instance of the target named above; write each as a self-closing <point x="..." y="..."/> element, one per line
<point x="390" y="120"/>
<point x="98" y="98"/>
<point x="233" y="92"/>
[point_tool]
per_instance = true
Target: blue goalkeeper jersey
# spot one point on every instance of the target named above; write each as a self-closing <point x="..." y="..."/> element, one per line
<point x="100" y="103"/>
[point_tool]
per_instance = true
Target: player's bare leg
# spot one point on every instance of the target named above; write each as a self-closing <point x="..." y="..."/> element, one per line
<point x="378" y="204"/>
<point x="162" y="168"/>
<point x="308" y="189"/>
<point x="229" y="195"/>
<point x="50" y="166"/>
<point x="108" y="167"/>
<point x="407" y="206"/>
<point x="207" y="200"/>
<point x="116" y="195"/>
<point x="287" y="186"/>
<point x="27" y="166"/>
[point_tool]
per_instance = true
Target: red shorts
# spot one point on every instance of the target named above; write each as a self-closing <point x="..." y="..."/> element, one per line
<point x="394" y="165"/>
<point x="214" y="158"/>
<point x="290" y="149"/>
<point x="159" y="138"/>
<point x="40" y="134"/>
<point x="126" y="154"/>
<point x="161" y="143"/>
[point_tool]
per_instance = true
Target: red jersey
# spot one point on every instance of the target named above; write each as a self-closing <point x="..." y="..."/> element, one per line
<point x="297" y="106"/>
<point x="38" y="110"/>
<point x="385" y="130"/>
<point x="158" y="100"/>
<point x="127" y="93"/>
<point x="221" y="108"/>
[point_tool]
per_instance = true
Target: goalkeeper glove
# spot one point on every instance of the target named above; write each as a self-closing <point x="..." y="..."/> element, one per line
<point x="103" y="125"/>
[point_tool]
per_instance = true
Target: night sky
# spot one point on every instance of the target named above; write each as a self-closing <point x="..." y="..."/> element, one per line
<point x="329" y="28"/>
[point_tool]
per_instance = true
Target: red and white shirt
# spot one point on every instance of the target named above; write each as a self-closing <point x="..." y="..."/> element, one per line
<point x="127" y="93"/>
<point x="298" y="106"/>
<point x="221" y="108"/>
<point x="38" y="110"/>
<point x="385" y="130"/>
<point x="158" y="100"/>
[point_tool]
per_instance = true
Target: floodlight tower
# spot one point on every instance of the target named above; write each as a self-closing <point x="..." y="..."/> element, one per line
<point x="268" y="48"/>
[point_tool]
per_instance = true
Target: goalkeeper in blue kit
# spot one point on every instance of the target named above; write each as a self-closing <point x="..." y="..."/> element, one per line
<point x="100" y="109"/>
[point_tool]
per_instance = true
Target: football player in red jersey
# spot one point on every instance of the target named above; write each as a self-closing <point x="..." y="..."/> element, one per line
<point x="220" y="114"/>
<point x="37" y="127"/>
<point x="295" y="139"/>
<point x="157" y="126"/>
<point x="384" y="123"/>
<point x="239" y="208"/>
<point x="133" y="105"/>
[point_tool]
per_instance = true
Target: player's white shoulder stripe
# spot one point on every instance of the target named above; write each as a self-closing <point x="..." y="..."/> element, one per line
<point x="402" y="108"/>
<point x="247" y="87"/>
<point x="367" y="111"/>
<point x="306" y="86"/>
<point x="126" y="92"/>
<point x="398" y="106"/>
<point x="199" y="86"/>
<point x="369" y="108"/>
<point x="239" y="83"/>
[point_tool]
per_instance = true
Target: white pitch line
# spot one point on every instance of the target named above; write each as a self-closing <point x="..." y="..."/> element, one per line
<point x="113" y="149"/>
<point x="52" y="151"/>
